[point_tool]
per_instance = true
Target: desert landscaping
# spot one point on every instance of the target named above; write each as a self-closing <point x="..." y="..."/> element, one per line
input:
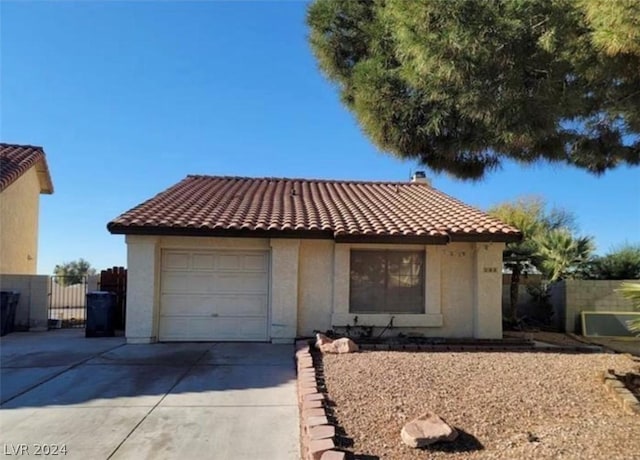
<point x="505" y="405"/>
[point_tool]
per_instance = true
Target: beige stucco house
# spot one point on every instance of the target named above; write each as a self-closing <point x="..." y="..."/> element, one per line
<point x="232" y="258"/>
<point x="24" y="175"/>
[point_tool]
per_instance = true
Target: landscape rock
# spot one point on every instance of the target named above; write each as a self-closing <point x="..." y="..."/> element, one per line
<point x="322" y="339"/>
<point x="427" y="429"/>
<point x="343" y="345"/>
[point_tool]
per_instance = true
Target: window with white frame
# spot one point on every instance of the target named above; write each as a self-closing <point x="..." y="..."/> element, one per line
<point x="386" y="281"/>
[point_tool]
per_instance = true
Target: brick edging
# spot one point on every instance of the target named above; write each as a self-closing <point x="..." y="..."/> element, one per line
<point x="479" y="347"/>
<point x="621" y="393"/>
<point x="317" y="435"/>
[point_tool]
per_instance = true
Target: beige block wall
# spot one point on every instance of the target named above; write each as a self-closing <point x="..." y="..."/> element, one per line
<point x="19" y="225"/>
<point x="33" y="307"/>
<point x="571" y="297"/>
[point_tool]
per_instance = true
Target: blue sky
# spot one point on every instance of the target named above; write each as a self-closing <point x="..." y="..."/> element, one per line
<point x="129" y="97"/>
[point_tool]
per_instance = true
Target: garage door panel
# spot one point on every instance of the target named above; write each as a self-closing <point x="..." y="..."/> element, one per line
<point x="247" y="329"/>
<point x="175" y="261"/>
<point x="187" y="328"/>
<point x="240" y="282"/>
<point x="214" y="295"/>
<point x="203" y="262"/>
<point x="175" y="282"/>
<point x="255" y="263"/>
<point x="241" y="305"/>
<point x="207" y="305"/>
<point x="187" y="305"/>
<point x="231" y="262"/>
<point x="188" y="283"/>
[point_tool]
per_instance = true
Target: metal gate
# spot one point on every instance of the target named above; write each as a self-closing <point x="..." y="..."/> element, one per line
<point x="68" y="301"/>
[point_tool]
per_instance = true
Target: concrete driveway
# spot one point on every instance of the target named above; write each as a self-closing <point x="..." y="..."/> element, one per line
<point x="103" y="399"/>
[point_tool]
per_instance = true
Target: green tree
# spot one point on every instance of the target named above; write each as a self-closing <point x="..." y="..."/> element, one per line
<point x="615" y="25"/>
<point x="461" y="85"/>
<point x="547" y="243"/>
<point x="622" y="263"/>
<point x="69" y="273"/>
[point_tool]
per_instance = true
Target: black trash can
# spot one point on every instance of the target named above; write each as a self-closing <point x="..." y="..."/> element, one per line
<point x="8" y="305"/>
<point x="101" y="308"/>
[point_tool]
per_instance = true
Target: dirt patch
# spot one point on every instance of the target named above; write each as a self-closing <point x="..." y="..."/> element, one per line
<point x="505" y="405"/>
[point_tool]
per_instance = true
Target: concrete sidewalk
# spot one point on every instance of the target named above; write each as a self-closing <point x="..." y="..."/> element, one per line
<point x="102" y="399"/>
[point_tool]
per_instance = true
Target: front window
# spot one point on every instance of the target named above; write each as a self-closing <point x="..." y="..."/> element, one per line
<point x="386" y="282"/>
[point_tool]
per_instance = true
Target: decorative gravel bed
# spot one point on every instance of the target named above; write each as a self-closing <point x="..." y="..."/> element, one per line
<point x="505" y="405"/>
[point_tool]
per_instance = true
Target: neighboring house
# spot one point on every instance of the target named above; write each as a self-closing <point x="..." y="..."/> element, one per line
<point x="233" y="258"/>
<point x="24" y="175"/>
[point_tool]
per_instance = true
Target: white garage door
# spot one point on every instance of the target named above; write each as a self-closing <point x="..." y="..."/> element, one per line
<point x="214" y="295"/>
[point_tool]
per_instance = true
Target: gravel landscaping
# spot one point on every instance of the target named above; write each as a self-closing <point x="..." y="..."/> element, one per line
<point x="505" y="405"/>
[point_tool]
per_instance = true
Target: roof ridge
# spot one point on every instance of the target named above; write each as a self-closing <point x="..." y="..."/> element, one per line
<point x="16" y="159"/>
<point x="28" y="146"/>
<point x="302" y="179"/>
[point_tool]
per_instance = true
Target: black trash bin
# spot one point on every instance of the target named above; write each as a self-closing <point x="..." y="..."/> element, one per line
<point x="8" y="304"/>
<point x="101" y="308"/>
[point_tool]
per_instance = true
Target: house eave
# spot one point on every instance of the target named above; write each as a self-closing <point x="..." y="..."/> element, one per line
<point x="209" y="232"/>
<point x="44" y="177"/>
<point x="117" y="229"/>
<point x="485" y="237"/>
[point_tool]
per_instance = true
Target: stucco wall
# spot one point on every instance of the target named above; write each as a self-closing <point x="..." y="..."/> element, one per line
<point x="309" y="287"/>
<point x="571" y="297"/>
<point x="454" y="306"/>
<point x="457" y="290"/>
<point x="33" y="306"/>
<point x="19" y="225"/>
<point x="315" y="287"/>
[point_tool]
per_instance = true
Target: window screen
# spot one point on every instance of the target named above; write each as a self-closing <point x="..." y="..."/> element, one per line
<point x="386" y="282"/>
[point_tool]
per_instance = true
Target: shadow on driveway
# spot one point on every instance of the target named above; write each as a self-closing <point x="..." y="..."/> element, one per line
<point x="65" y="368"/>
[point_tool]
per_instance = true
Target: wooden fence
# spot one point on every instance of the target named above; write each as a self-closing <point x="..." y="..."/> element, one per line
<point x="115" y="280"/>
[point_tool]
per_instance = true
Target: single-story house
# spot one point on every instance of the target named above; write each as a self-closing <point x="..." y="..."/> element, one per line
<point x="269" y="259"/>
<point x="24" y="175"/>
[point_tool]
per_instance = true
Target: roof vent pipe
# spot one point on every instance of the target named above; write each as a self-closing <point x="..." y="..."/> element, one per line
<point x="419" y="177"/>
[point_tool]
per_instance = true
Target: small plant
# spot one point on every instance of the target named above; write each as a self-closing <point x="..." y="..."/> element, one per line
<point x="540" y="294"/>
<point x="632" y="292"/>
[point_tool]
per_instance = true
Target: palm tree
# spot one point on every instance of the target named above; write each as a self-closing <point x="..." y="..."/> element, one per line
<point x="528" y="215"/>
<point x="562" y="254"/>
<point x="632" y="292"/>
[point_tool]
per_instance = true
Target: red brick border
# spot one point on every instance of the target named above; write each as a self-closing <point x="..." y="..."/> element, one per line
<point x="629" y="403"/>
<point x="317" y="435"/>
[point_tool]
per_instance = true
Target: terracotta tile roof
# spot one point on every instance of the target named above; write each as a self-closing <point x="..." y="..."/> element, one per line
<point x="343" y="210"/>
<point x="15" y="160"/>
